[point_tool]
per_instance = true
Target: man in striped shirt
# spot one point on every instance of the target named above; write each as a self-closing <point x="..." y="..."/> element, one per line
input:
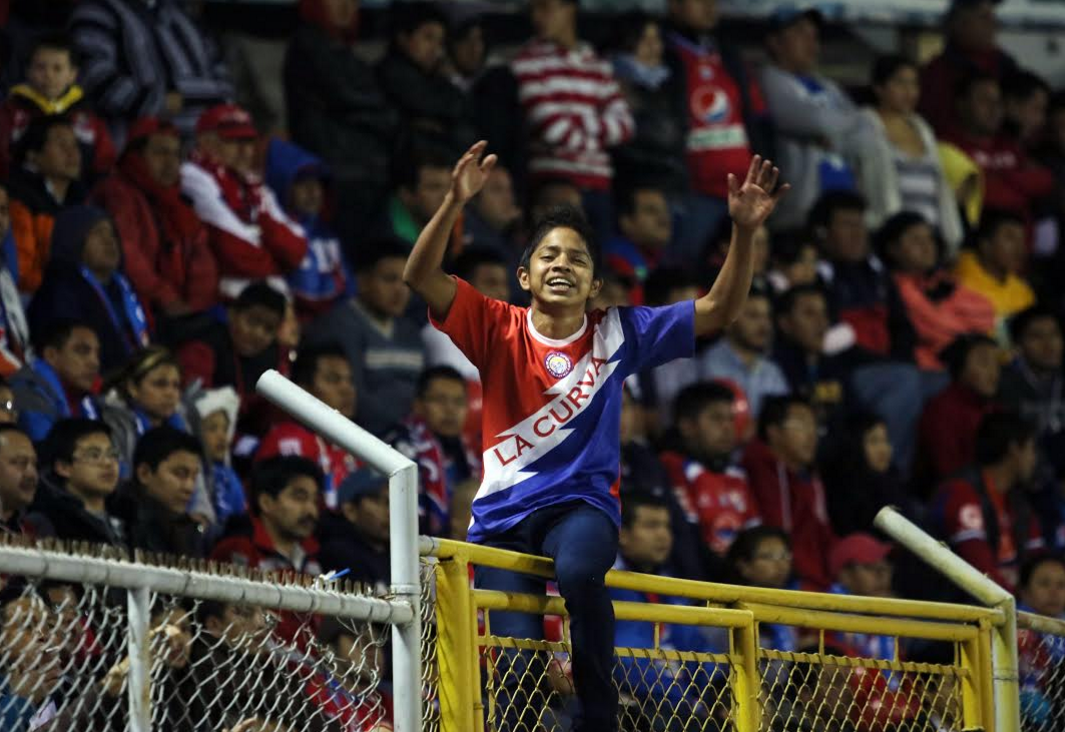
<point x="573" y="109"/>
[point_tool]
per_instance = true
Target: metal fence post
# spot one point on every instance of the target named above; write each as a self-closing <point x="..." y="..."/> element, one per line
<point x="456" y="647"/>
<point x="746" y="677"/>
<point x="406" y="585"/>
<point x="138" y="608"/>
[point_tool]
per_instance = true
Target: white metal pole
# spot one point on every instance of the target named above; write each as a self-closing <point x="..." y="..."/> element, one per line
<point x="138" y="601"/>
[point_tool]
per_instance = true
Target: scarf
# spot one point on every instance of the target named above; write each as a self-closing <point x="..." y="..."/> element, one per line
<point x="416" y="441"/>
<point x="627" y="68"/>
<point x="243" y="195"/>
<point x="179" y="221"/>
<point x="133" y="325"/>
<point x="61" y="105"/>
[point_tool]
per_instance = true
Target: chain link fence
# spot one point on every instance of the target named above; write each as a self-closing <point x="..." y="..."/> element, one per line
<point x="430" y="666"/>
<point x="1041" y="662"/>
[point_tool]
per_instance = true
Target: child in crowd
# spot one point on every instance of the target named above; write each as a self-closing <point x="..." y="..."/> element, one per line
<point x="216" y="412"/>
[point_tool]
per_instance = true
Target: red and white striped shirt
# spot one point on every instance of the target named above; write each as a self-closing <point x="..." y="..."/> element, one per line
<point x="574" y="112"/>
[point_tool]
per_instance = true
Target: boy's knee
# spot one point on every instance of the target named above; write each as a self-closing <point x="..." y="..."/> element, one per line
<point x="575" y="578"/>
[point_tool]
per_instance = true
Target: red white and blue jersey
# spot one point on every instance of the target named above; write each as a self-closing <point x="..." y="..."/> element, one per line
<point x="552" y="408"/>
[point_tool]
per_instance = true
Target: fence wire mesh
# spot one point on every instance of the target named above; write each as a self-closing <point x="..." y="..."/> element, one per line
<point x="65" y="665"/>
<point x="430" y="667"/>
<point x="1041" y="662"/>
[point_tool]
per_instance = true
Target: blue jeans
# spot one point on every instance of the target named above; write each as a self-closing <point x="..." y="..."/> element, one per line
<point x="583" y="542"/>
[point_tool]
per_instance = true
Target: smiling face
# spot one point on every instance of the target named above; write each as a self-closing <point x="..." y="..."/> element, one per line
<point x="560" y="272"/>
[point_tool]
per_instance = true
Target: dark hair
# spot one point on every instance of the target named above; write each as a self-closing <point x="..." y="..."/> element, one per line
<point x="273" y="475"/>
<point x="207" y="609"/>
<point x="61" y="441"/>
<point x="6" y="427"/>
<point x="563" y="217"/>
<point x="788" y="245"/>
<point x="786" y="302"/>
<point x="971" y="81"/>
<point x="305" y="367"/>
<point x="664" y="280"/>
<point x="412" y="158"/>
<point x="957" y="351"/>
<point x="993" y="219"/>
<point x="36" y="135"/>
<point x="159" y="443"/>
<point x="1019" y="323"/>
<point x="1032" y="563"/>
<point x="54" y="41"/>
<point x="625" y="198"/>
<point x="475" y="256"/>
<point x="894" y="228"/>
<point x="407" y="17"/>
<point x="57" y="332"/>
<point x="630" y="28"/>
<point x="632" y="501"/>
<point x="262" y="295"/>
<point x="746" y="543"/>
<point x="1022" y="84"/>
<point x="831" y="202"/>
<point x="775" y="411"/>
<point x="885" y="67"/>
<point x="426" y="377"/>
<point x="998" y="432"/>
<point x="692" y="400"/>
<point x="386" y="247"/>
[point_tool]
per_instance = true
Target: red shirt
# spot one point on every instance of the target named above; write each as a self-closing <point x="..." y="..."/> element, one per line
<point x="292" y="438"/>
<point x="946" y="440"/>
<point x="1011" y="179"/>
<point x="721" y="503"/>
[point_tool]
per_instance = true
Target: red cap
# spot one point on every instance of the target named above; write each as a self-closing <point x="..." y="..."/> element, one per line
<point x="147" y="126"/>
<point x="227" y="120"/>
<point x="857" y="549"/>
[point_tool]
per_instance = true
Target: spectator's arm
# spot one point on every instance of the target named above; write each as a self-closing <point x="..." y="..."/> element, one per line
<point x="618" y="124"/>
<point x="281" y="237"/>
<point x="27" y="247"/>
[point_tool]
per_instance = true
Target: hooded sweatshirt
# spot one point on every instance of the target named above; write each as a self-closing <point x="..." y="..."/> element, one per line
<point x="69" y="290"/>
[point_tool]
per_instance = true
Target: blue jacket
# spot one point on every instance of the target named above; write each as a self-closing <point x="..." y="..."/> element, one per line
<point x="42" y="401"/>
<point x="15" y="711"/>
<point x="323" y="276"/>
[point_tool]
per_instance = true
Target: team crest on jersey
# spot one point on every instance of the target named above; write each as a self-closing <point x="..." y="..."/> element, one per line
<point x="558" y="364"/>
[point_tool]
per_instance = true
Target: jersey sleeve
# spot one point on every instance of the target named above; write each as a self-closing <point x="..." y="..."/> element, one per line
<point x="660" y="334"/>
<point x="472" y="322"/>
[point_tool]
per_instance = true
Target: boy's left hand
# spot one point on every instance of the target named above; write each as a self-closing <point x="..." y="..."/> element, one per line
<point x="750" y="204"/>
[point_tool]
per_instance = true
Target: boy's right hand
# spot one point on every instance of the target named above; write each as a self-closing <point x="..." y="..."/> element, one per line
<point x="470" y="173"/>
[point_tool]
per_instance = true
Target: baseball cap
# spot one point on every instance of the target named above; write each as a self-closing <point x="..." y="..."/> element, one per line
<point x="228" y="120"/>
<point x="148" y="126"/>
<point x="363" y="482"/>
<point x="786" y="16"/>
<point x="857" y="548"/>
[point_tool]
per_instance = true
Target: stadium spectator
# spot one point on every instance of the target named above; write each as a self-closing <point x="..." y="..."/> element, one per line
<point x="18" y="480"/>
<point x="50" y="88"/>
<point x="383" y="347"/>
<point x="362" y="547"/>
<point x="645" y="231"/>
<point x="422" y="178"/>
<point x="1026" y="99"/>
<point x="467" y="49"/>
<point x="14" y="329"/>
<point x="1041" y="586"/>
<point x="726" y="114"/>
<point x="716" y="251"/>
<point x="62" y="381"/>
<point x="983" y="513"/>
<point x="970" y="27"/>
<point x="713" y="492"/>
<point x="1040" y="589"/>
<point x="237" y="353"/>
<point x="644" y="543"/>
<point x="995" y="267"/>
<point x="789" y="494"/>
<point x="761" y="557"/>
<point x="155" y="503"/>
<point x="432" y="436"/>
<point x="45" y="179"/>
<point x="302" y="184"/>
<point x="574" y="110"/>
<point x="325" y="373"/>
<point x="147" y="61"/>
<point x="250" y="235"/>
<point x="493" y="221"/>
<point x="84" y="279"/>
<point x="336" y="110"/>
<point x="947" y="431"/>
<point x="792" y="262"/>
<point x="812" y="115"/>
<point x="1031" y="384"/>
<point x="742" y="355"/>
<point x="79" y="474"/>
<point x="1011" y="180"/>
<point x="896" y="159"/>
<point x="655" y="154"/>
<point x="432" y="111"/>
<point x="939" y="308"/>
<point x="859" y="474"/>
<point x="164" y="244"/>
<point x="861" y="565"/>
<point x="215" y="412"/>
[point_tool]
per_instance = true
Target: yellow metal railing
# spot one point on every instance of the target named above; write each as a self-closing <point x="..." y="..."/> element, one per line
<point x="506" y="684"/>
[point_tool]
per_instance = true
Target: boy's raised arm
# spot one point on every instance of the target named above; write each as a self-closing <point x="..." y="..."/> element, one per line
<point x="424" y="272"/>
<point x="749" y="206"/>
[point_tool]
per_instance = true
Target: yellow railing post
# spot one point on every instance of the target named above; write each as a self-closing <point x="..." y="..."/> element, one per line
<point x="456" y="650"/>
<point x="746" y="680"/>
<point x="975" y="684"/>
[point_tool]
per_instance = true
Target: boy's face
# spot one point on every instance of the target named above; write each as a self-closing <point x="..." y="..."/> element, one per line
<point x="798" y="46"/>
<point x="162" y="157"/>
<point x="78" y="360"/>
<point x="335" y="385"/>
<point x="807" y="322"/>
<point x="253" y="329"/>
<point x="649" y="225"/>
<point x="51" y="72"/>
<point x="648" y="541"/>
<point x="713" y="433"/>
<point x="382" y="289"/>
<point x="1045" y="591"/>
<point x="424" y="45"/>
<point x="561" y="272"/>
<point x="93" y="469"/>
<point x="173" y="481"/>
<point x="60" y="156"/>
<point x="428" y="195"/>
<point x="1041" y="344"/>
<point x="443" y="406"/>
<point x="915" y="251"/>
<point x="308" y="195"/>
<point x="214" y="430"/>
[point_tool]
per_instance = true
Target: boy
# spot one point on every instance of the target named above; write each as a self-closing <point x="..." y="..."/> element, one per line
<point x="549" y="370"/>
<point x="51" y="88"/>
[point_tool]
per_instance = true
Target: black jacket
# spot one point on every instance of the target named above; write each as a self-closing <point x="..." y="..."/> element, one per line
<point x="67" y="518"/>
<point x="152" y="527"/>
<point x="350" y="551"/>
<point x="656" y="154"/>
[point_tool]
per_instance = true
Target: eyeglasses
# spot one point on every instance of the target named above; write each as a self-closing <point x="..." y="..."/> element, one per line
<point x="99" y="456"/>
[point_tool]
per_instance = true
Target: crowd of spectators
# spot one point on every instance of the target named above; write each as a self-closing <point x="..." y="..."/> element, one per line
<point x="902" y="343"/>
